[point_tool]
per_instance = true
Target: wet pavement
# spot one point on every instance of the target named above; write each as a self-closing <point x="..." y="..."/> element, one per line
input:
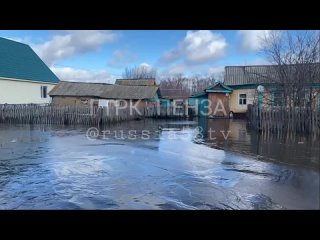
<point x="158" y="165"/>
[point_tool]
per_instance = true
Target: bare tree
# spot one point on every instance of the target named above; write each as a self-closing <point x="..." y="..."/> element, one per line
<point x="139" y="72"/>
<point x="200" y="83"/>
<point x="182" y="86"/>
<point x="174" y="86"/>
<point x="295" y="56"/>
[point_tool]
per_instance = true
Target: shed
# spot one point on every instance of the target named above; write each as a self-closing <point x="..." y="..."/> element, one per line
<point x="78" y="93"/>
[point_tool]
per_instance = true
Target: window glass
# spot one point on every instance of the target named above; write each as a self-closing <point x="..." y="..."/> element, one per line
<point x="44" y="92"/>
<point x="243" y="99"/>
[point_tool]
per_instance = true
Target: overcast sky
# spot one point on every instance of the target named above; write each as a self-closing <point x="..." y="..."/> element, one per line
<point x="101" y="56"/>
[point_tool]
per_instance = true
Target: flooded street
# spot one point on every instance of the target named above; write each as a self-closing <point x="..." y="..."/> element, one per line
<point x="205" y="164"/>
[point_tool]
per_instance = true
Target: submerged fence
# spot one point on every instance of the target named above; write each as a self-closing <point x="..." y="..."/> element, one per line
<point x="71" y="115"/>
<point x="282" y="119"/>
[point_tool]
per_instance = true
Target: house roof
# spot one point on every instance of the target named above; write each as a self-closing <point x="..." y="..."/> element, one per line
<point x="219" y="86"/>
<point x="130" y="92"/>
<point x="174" y="97"/>
<point x="102" y="90"/>
<point x="173" y="93"/>
<point x="78" y="89"/>
<point x="198" y="94"/>
<point x="136" y="82"/>
<point x="19" y="61"/>
<point x="258" y="74"/>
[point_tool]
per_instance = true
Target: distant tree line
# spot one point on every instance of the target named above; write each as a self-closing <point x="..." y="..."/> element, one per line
<point x="139" y="72"/>
<point x="183" y="86"/>
<point x="177" y="85"/>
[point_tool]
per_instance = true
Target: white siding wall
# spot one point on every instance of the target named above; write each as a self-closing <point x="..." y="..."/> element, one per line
<point x="22" y="92"/>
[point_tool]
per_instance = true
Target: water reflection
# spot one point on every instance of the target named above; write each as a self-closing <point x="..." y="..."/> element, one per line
<point x="57" y="167"/>
<point x="235" y="135"/>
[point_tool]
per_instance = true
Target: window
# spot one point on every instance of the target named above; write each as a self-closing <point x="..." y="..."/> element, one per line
<point x="44" y="91"/>
<point x="243" y="99"/>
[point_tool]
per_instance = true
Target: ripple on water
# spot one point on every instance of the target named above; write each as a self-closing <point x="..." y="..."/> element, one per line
<point x="66" y="171"/>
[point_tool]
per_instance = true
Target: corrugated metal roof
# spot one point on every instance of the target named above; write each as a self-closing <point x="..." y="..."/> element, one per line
<point x="19" y="61"/>
<point x="106" y="91"/>
<point x="259" y="74"/>
<point x="240" y="75"/>
<point x="136" y="82"/>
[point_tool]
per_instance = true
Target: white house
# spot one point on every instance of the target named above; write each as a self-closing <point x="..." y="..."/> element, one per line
<point x="24" y="77"/>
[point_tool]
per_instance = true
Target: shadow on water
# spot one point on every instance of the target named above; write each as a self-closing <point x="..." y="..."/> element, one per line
<point x="235" y="135"/>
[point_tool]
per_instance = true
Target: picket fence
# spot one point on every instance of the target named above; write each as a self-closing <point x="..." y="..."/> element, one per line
<point x="72" y="115"/>
<point x="282" y="119"/>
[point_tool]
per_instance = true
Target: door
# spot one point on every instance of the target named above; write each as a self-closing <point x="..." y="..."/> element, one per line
<point x="219" y="104"/>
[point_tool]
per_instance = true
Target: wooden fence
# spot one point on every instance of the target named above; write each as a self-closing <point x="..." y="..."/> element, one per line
<point x="72" y="115"/>
<point x="282" y="119"/>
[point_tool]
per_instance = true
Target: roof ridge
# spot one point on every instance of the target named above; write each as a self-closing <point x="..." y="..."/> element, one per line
<point x="86" y="82"/>
<point x="259" y="65"/>
<point x="19" y="61"/>
<point x="106" y="91"/>
<point x="14" y="41"/>
<point x="268" y="65"/>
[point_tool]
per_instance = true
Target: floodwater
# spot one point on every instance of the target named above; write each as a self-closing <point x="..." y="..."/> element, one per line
<point x="205" y="164"/>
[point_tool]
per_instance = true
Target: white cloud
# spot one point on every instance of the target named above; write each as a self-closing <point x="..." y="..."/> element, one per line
<point x="255" y="61"/>
<point x="198" y="47"/>
<point x="81" y="75"/>
<point x="176" y="69"/>
<point x="72" y="43"/>
<point x="190" y="70"/>
<point x="121" y="58"/>
<point x="251" y="40"/>
<point x="215" y="70"/>
<point x="25" y="40"/>
<point x="145" y="65"/>
<point x="201" y="46"/>
<point x="171" y="55"/>
<point x="258" y="61"/>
